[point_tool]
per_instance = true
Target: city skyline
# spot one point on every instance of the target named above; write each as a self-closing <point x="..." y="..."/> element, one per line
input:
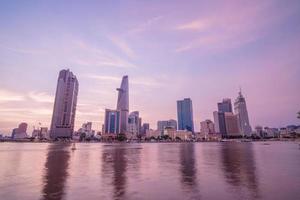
<point x="204" y="51"/>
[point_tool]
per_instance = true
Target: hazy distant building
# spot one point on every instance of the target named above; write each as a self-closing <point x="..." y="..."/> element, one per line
<point x="112" y="121"/>
<point x="123" y="104"/>
<point x="259" y="131"/>
<point x="240" y="110"/>
<point x="225" y="105"/>
<point x="140" y="126"/>
<point x="219" y="116"/>
<point x="145" y="127"/>
<point x="62" y="124"/>
<point x="134" y="123"/>
<point x="86" y="130"/>
<point x="271" y="132"/>
<point x="20" y="132"/>
<point x="207" y="127"/>
<point x="185" y="114"/>
<point x="219" y="121"/>
<point x="232" y="125"/>
<point x="161" y="125"/>
<point x="41" y="133"/>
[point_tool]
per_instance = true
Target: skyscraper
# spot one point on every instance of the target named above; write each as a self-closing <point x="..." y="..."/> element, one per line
<point x="62" y="124"/>
<point x="240" y="110"/>
<point x="134" y="123"/>
<point x="219" y="116"/>
<point x="232" y="125"/>
<point x="145" y="127"/>
<point x="225" y="105"/>
<point x="219" y="120"/>
<point x="112" y="121"/>
<point x="123" y="104"/>
<point x="185" y="114"/>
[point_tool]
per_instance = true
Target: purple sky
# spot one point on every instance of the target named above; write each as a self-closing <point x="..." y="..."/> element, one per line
<point x="204" y="50"/>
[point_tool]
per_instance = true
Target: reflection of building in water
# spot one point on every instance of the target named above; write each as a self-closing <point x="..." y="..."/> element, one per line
<point x="188" y="170"/>
<point x="56" y="171"/>
<point x="116" y="161"/>
<point x="239" y="167"/>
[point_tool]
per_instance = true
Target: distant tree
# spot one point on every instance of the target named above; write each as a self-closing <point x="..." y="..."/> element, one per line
<point x="121" y="137"/>
<point x="178" y="138"/>
<point x="152" y="138"/>
<point x="299" y="115"/>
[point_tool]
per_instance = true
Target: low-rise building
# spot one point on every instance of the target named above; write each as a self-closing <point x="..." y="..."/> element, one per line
<point x="152" y="133"/>
<point x="178" y="134"/>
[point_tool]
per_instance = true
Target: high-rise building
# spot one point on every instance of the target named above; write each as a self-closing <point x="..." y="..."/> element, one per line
<point x="140" y="126"/>
<point x="133" y="123"/>
<point x="112" y="121"/>
<point x="232" y="125"/>
<point x="185" y="114"/>
<point x="145" y="127"/>
<point x="62" y="124"/>
<point x="161" y="125"/>
<point x="207" y="127"/>
<point x="123" y="104"/>
<point x="219" y="120"/>
<point x="240" y="109"/>
<point x="20" y="132"/>
<point x="225" y="105"/>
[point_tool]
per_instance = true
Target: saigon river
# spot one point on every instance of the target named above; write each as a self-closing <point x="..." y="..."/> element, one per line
<point x="227" y="171"/>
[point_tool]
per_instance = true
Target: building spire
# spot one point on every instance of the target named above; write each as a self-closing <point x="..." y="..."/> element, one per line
<point x="240" y="91"/>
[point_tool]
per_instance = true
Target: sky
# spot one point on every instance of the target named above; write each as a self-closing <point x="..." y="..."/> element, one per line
<point x="204" y="49"/>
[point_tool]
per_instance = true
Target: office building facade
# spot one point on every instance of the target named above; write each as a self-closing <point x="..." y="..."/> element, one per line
<point x="185" y="115"/>
<point x="123" y="104"/>
<point x="240" y="109"/>
<point x="63" y="118"/>
<point x="112" y="121"/>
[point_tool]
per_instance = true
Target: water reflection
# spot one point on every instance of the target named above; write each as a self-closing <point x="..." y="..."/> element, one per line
<point x="239" y="168"/>
<point x="56" y="171"/>
<point x="117" y="160"/>
<point x="188" y="170"/>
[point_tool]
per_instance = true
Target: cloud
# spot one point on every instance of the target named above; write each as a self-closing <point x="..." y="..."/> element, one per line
<point x="23" y="50"/>
<point x="41" y="97"/>
<point x="195" y="25"/>
<point x="122" y="44"/>
<point x="88" y="55"/>
<point x="232" y="26"/>
<point x="7" y="96"/>
<point x="145" y="25"/>
<point x="138" y="81"/>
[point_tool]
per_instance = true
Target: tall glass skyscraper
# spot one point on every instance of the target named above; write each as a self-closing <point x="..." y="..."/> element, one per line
<point x="240" y="110"/>
<point x="123" y="104"/>
<point x="185" y="114"/>
<point x="112" y="121"/>
<point x="225" y="105"/>
<point x="62" y="124"/>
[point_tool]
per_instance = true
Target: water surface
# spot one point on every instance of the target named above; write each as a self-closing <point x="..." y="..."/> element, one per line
<point x="227" y="171"/>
